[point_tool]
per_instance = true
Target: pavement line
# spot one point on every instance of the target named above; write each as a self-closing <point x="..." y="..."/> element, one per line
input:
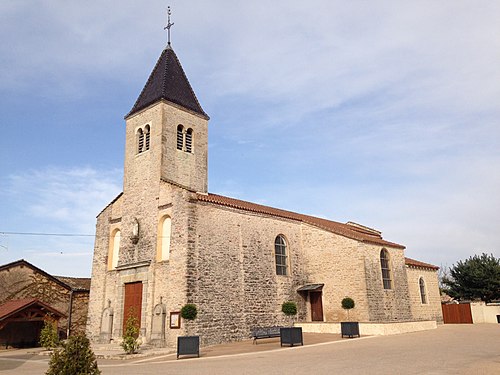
<point x="25" y="360"/>
<point x="154" y="360"/>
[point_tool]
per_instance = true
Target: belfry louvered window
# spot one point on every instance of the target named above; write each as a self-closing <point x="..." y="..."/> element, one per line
<point x="280" y="255"/>
<point x="189" y="140"/>
<point x="180" y="137"/>
<point x="146" y="137"/>
<point x="140" y="141"/>
<point x="386" y="269"/>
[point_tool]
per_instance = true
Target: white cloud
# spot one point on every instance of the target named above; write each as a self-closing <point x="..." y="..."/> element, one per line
<point x="55" y="201"/>
<point x="69" y="199"/>
<point x="387" y="111"/>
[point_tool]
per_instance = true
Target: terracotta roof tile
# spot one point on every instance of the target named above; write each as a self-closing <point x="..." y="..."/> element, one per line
<point x="345" y="230"/>
<point x="416" y="263"/>
<point x="76" y="283"/>
<point x="12" y="307"/>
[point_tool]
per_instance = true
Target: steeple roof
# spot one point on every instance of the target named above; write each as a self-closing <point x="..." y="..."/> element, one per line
<point x="168" y="81"/>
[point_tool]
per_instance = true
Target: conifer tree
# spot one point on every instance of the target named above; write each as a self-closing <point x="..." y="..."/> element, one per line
<point x="75" y="358"/>
<point x="130" y="341"/>
<point x="49" y="338"/>
<point x="476" y="278"/>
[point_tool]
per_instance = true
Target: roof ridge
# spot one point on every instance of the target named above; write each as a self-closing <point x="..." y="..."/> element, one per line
<point x="326" y="224"/>
<point x="189" y="84"/>
<point x="150" y="78"/>
<point x="37" y="269"/>
<point x="418" y="263"/>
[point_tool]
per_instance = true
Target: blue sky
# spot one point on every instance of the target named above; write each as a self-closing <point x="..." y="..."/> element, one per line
<point x="384" y="113"/>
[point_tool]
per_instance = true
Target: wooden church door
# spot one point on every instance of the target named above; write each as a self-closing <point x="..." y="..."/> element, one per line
<point x="316" y="306"/>
<point x="133" y="302"/>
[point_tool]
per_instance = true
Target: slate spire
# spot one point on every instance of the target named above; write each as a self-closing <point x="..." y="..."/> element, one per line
<point x="168" y="82"/>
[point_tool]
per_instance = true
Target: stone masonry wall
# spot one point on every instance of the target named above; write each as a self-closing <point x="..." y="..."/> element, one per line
<point x="233" y="273"/>
<point x="432" y="309"/>
<point x="188" y="169"/>
<point x="24" y="282"/>
<point x="97" y="301"/>
<point x="338" y="262"/>
<point x="386" y="305"/>
<point x="80" y="310"/>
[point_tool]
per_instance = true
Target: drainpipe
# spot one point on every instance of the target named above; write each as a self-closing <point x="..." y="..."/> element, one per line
<point x="70" y="309"/>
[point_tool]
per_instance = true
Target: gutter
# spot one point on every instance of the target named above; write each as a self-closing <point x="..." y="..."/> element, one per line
<point x="70" y="312"/>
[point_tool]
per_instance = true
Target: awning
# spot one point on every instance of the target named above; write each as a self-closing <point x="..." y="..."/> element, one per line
<point x="311" y="288"/>
<point x="27" y="309"/>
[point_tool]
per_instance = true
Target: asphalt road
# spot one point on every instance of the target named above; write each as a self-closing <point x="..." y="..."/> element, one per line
<point x="450" y="349"/>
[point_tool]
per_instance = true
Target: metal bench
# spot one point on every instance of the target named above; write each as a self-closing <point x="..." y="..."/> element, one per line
<point x="265" y="333"/>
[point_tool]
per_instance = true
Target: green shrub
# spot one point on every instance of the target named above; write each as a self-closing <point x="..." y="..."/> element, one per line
<point x="348" y="303"/>
<point x="75" y="358"/>
<point x="130" y="341"/>
<point x="289" y="308"/>
<point x="189" y="311"/>
<point x="49" y="338"/>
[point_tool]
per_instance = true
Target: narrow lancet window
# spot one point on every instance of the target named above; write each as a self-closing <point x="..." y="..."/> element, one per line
<point x="164" y="231"/>
<point x="114" y="250"/>
<point x="423" y="294"/>
<point x="386" y="269"/>
<point x="280" y="255"/>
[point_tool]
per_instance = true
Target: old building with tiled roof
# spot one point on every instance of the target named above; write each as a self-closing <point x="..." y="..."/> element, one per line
<point x="166" y="241"/>
<point x="28" y="293"/>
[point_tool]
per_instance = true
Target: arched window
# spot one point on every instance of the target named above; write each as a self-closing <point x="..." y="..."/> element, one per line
<point x="140" y="141"/>
<point x="280" y="255"/>
<point x="164" y="230"/>
<point x="386" y="269"/>
<point x="189" y="140"/>
<point x="114" y="250"/>
<point x="147" y="137"/>
<point x="180" y="137"/>
<point x="423" y="294"/>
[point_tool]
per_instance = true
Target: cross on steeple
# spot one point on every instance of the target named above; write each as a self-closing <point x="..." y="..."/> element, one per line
<point x="169" y="25"/>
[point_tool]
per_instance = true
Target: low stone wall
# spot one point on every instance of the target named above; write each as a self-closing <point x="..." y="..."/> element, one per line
<point x="371" y="329"/>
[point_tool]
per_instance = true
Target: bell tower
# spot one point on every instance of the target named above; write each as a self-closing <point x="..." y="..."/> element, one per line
<point x="167" y="131"/>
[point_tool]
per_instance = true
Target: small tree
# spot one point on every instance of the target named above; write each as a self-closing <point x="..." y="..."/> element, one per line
<point x="289" y="308"/>
<point x="475" y="278"/>
<point x="189" y="312"/>
<point x="49" y="337"/>
<point x="348" y="304"/>
<point x="75" y="358"/>
<point x="130" y="341"/>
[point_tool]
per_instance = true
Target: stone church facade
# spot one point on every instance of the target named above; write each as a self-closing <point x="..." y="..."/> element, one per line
<point x="165" y="241"/>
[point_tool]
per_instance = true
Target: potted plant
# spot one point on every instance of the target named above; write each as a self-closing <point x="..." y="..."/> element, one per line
<point x="349" y="329"/>
<point x="290" y="335"/>
<point x="188" y="345"/>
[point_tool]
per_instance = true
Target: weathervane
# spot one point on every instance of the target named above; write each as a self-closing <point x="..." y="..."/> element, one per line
<point x="169" y="25"/>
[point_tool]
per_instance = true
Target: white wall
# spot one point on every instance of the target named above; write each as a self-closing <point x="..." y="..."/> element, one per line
<point x="482" y="313"/>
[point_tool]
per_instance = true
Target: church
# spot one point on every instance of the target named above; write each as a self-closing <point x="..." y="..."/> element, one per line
<point x="166" y="241"/>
